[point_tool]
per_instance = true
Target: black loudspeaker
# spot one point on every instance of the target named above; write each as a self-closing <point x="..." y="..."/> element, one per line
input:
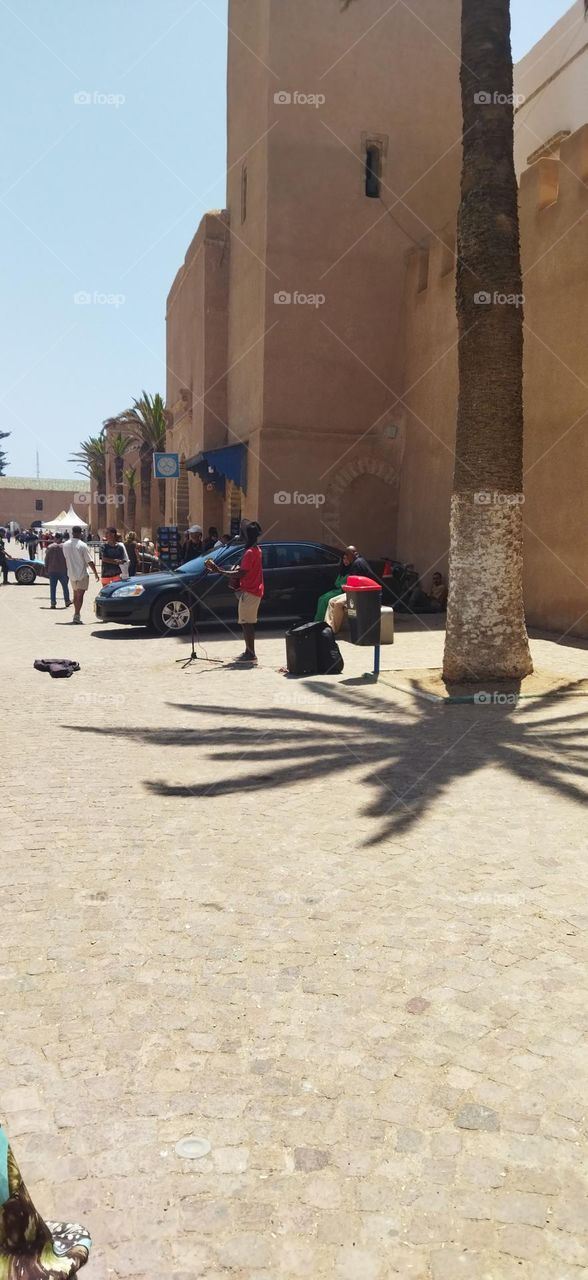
<point x="302" y="655"/>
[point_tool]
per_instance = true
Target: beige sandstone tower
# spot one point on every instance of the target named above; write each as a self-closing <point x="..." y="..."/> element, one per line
<point x="285" y="324"/>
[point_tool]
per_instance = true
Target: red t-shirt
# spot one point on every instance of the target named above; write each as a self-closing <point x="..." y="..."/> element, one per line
<point x="251" y="578"/>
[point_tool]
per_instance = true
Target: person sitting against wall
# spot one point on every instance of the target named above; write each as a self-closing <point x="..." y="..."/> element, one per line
<point x="438" y="593"/>
<point x="433" y="601"/>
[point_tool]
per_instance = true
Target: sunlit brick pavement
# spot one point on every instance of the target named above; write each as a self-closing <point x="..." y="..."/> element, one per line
<point x="336" y="931"/>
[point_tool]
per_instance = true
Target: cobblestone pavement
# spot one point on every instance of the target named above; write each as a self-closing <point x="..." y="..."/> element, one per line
<point x="335" y="930"/>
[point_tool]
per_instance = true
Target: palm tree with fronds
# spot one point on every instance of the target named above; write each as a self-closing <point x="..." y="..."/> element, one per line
<point x="147" y="422"/>
<point x="3" y="458"/>
<point x="131" y="479"/>
<point x="90" y="460"/>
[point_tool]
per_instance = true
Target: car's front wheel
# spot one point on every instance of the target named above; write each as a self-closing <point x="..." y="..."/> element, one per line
<point x="25" y="576"/>
<point x="171" y="616"/>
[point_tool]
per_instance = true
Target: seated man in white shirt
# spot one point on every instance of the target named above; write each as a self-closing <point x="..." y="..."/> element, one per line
<point x="77" y="558"/>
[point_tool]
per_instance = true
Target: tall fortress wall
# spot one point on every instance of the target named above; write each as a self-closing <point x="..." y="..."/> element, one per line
<point x="554" y="241"/>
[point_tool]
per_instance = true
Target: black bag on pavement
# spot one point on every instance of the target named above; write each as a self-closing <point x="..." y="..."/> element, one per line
<point x="330" y="657"/>
<point x="58" y="668"/>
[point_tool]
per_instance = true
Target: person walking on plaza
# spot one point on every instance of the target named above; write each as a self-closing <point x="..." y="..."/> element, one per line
<point x="33" y="544"/>
<point x="3" y="563"/>
<point x="131" y="546"/>
<point x="56" y="567"/>
<point x="78" y="557"/>
<point x="249" y="587"/>
<point x="114" y="557"/>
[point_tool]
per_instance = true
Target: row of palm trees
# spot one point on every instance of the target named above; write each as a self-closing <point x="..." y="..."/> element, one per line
<point x="143" y="427"/>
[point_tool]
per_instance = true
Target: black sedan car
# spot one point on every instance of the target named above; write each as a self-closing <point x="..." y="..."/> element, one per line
<point x="295" y="575"/>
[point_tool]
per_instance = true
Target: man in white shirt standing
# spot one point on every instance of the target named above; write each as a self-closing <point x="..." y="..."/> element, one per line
<point x="78" y="557"/>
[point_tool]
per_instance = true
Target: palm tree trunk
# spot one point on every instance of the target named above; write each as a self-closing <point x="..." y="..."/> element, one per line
<point x="486" y="633"/>
<point x="146" y="467"/>
<point x="101" y="496"/>
<point x="119" y="489"/>
<point x="132" y="508"/>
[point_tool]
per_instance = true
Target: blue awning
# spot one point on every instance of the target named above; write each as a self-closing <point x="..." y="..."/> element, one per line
<point x="229" y="463"/>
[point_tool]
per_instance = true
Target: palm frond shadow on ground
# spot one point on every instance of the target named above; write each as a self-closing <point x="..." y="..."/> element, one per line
<point x="401" y="757"/>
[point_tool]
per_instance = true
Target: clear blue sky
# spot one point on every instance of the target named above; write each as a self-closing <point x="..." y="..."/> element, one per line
<point x="103" y="199"/>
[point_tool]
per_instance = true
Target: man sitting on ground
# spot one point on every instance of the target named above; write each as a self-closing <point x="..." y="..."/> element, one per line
<point x="434" y="601"/>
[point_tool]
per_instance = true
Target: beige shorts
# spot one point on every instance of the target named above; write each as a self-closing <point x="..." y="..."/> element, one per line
<point x="248" y="608"/>
<point x="80" y="584"/>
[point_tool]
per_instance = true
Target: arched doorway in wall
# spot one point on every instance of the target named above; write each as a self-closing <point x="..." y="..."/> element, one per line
<point x="182" y="496"/>
<point x="361" y="507"/>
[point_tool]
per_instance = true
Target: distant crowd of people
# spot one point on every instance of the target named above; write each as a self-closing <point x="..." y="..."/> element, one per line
<point x="194" y="543"/>
<point x="68" y="560"/>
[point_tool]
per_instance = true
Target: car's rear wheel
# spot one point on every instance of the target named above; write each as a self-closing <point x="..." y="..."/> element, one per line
<point x="25" y="576"/>
<point x="171" y="616"/>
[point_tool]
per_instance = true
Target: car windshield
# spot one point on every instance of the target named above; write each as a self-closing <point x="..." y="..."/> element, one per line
<point x="220" y="556"/>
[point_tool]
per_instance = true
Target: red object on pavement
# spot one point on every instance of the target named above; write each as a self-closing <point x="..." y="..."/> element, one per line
<point x="387" y="570"/>
<point x="361" y="584"/>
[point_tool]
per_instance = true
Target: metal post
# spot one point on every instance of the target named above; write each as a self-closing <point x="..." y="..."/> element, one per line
<point x="377" y="660"/>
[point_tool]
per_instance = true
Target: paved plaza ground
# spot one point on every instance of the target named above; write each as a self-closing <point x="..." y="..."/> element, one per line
<point x="337" y="930"/>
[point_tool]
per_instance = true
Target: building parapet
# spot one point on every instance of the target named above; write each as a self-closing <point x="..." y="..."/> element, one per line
<point x="212" y="228"/>
<point x="551" y="183"/>
<point x="552" y="180"/>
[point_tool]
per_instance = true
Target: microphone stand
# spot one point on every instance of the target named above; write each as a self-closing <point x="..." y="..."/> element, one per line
<point x="193" y="657"/>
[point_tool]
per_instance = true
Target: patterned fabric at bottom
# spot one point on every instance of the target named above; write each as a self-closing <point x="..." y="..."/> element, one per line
<point x="31" y="1249"/>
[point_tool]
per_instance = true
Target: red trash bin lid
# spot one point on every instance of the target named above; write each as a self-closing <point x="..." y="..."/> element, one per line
<point x="361" y="584"/>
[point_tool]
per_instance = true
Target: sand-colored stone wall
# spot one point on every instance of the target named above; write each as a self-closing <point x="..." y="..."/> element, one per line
<point x="197" y="361"/>
<point x="21" y="503"/>
<point x="313" y="385"/>
<point x="553" y="205"/>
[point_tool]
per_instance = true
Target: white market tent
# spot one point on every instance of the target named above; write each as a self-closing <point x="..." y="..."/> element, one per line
<point x="65" y="520"/>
